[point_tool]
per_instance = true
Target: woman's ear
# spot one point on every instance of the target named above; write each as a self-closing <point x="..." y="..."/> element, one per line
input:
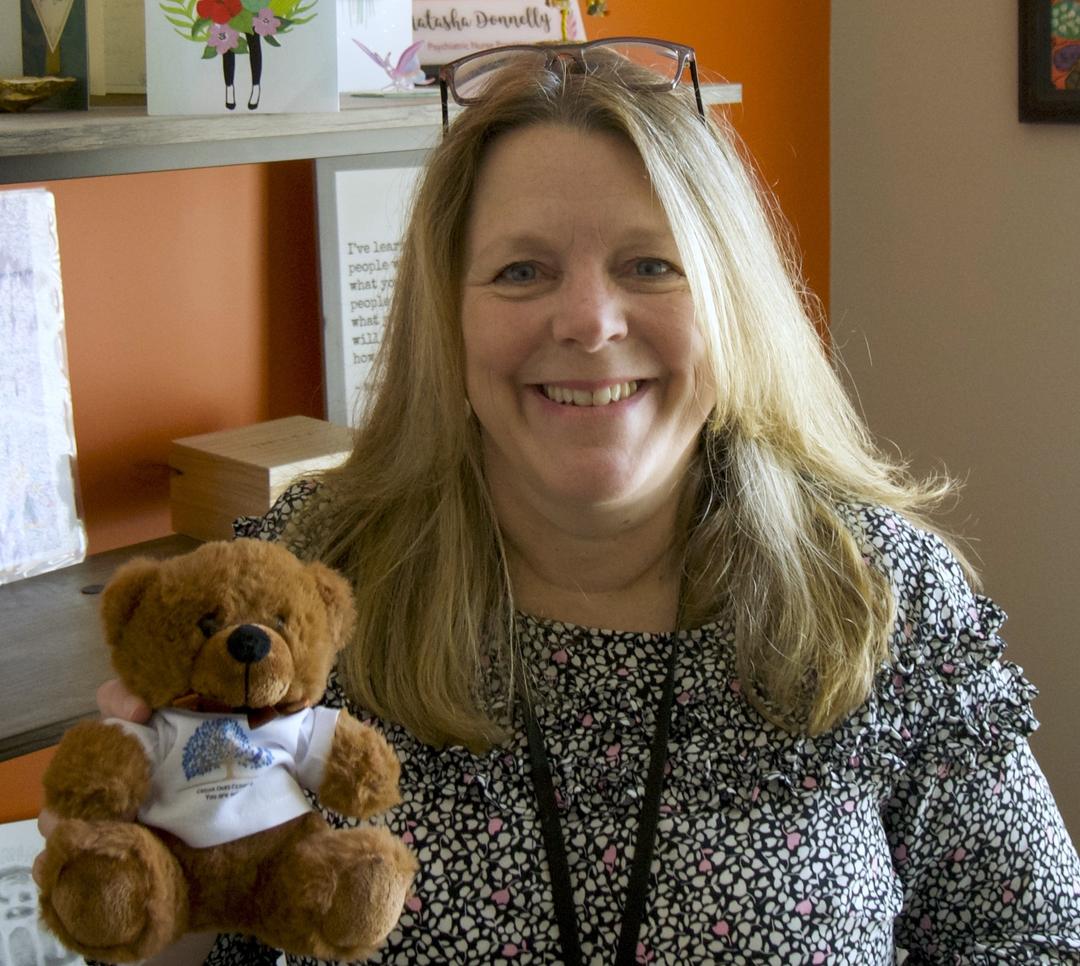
<point x="338" y="597"/>
<point x="124" y="591"/>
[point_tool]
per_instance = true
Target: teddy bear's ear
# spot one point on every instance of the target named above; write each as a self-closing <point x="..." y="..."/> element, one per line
<point x="122" y="594"/>
<point x="337" y="595"/>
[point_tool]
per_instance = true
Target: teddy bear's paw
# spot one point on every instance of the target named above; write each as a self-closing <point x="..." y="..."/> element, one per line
<point x="351" y="892"/>
<point x="362" y="771"/>
<point x="111" y="891"/>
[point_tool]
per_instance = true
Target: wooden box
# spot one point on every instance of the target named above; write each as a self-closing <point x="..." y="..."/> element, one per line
<point x="220" y="476"/>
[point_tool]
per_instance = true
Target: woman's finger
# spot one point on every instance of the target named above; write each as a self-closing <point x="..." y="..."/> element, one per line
<point x="46" y="822"/>
<point x="116" y="701"/>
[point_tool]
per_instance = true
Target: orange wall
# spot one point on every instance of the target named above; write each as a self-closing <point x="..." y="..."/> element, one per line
<point x="20" y="785"/>
<point x="192" y="296"/>
<point x="192" y="304"/>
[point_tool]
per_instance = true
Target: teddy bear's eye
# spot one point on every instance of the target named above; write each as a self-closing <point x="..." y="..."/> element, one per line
<point x="279" y="622"/>
<point x="208" y="624"/>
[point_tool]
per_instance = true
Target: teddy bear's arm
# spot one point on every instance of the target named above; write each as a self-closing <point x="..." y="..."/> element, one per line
<point x="99" y="771"/>
<point x="362" y="771"/>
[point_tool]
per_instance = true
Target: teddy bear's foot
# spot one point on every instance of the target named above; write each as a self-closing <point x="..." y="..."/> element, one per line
<point x="340" y="893"/>
<point x="111" y="890"/>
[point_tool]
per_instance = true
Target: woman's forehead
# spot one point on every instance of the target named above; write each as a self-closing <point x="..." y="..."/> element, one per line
<point x="547" y="175"/>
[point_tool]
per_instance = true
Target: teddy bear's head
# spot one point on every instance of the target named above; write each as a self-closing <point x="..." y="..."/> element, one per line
<point x="239" y="624"/>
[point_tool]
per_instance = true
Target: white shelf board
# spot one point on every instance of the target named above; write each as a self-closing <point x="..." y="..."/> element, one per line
<point x="53" y="145"/>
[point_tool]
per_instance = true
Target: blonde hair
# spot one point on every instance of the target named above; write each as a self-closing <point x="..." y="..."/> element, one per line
<point x="408" y="518"/>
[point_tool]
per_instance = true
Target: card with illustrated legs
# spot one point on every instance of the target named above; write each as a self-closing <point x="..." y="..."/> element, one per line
<point x="240" y="56"/>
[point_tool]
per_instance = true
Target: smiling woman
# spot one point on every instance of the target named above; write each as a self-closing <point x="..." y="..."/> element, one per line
<point x="636" y="594"/>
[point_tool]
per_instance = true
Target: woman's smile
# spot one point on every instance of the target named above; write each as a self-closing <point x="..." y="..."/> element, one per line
<point x="588" y="395"/>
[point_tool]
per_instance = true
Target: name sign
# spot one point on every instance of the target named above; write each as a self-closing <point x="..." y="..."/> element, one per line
<point x="452" y="28"/>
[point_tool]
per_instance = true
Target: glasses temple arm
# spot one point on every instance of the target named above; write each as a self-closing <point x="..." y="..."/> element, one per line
<point x="444" y="94"/>
<point x="697" y="86"/>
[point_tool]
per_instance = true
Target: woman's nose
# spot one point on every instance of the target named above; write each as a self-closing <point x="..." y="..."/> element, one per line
<point x="589" y="312"/>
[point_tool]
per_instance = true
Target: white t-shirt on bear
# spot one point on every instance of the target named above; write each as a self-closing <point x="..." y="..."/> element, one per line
<point x="214" y="779"/>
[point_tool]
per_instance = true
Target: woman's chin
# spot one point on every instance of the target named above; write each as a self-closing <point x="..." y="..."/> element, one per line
<point x="602" y="489"/>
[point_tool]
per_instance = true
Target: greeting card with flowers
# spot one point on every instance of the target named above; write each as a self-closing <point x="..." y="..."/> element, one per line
<point x="240" y="56"/>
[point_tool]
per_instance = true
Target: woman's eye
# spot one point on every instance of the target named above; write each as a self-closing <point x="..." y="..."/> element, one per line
<point x="652" y="268"/>
<point x="518" y="272"/>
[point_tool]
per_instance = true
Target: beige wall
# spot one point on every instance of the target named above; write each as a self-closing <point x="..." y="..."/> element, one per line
<point x="956" y="308"/>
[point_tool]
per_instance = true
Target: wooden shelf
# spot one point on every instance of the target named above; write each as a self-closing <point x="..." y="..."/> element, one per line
<point x="53" y="649"/>
<point x="46" y="146"/>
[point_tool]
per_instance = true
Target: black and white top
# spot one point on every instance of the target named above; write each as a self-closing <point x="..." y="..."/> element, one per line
<point x="920" y="828"/>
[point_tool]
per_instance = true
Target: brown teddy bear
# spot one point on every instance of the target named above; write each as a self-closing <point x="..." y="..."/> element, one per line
<point x="196" y="821"/>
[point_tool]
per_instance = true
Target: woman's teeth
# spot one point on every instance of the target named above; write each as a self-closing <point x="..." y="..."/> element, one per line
<point x="585" y="397"/>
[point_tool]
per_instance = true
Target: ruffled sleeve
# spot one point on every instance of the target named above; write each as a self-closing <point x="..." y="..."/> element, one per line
<point x="988" y="871"/>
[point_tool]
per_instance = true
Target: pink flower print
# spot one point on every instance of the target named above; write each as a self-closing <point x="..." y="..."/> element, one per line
<point x="511" y="950"/>
<point x="614" y="753"/>
<point x="413" y="904"/>
<point x="501" y="897"/>
<point x="809" y="782"/>
<point x="222" y="38"/>
<point x="644" y="954"/>
<point x="705" y="865"/>
<point x="820" y="957"/>
<point x="848" y="806"/>
<point x="958" y="855"/>
<point x="925" y="925"/>
<point x="586" y="720"/>
<point x="609" y="858"/>
<point x="1008" y="896"/>
<point x="792" y="841"/>
<point x="900" y="853"/>
<point x="804" y="908"/>
<point x="495" y="826"/>
<point x="735" y="685"/>
<point x="948" y="668"/>
<point x="407" y="837"/>
<point x="560" y="656"/>
<point x="721" y="928"/>
<point x="909" y="630"/>
<point x="682" y="697"/>
<point x="265" y="23"/>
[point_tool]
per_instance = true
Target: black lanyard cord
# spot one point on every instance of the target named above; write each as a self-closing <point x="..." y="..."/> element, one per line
<point x="637" y="890"/>
<point x="558" y="869"/>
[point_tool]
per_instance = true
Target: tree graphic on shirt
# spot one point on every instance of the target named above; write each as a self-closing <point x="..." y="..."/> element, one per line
<point x="221" y="743"/>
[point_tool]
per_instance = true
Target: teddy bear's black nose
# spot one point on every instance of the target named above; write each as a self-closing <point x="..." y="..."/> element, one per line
<point x="249" y="644"/>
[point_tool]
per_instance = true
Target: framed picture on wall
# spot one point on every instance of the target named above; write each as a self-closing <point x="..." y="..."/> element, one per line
<point x="362" y="203"/>
<point x="1050" y="60"/>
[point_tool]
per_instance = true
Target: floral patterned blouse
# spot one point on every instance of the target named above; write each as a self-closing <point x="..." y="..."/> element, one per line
<point x="919" y="829"/>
